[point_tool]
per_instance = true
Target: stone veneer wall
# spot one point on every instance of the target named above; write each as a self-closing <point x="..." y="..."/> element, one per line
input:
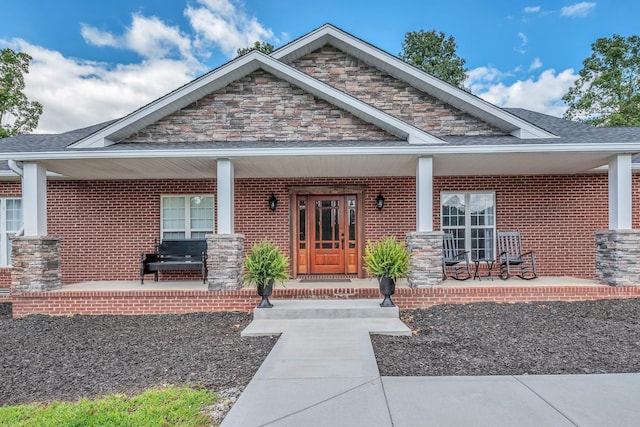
<point x="225" y="256"/>
<point x="618" y="257"/>
<point x="260" y="107"/>
<point x="36" y="264"/>
<point x="426" y="259"/>
<point x="394" y="97"/>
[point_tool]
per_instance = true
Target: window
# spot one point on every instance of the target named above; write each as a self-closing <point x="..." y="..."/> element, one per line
<point x="10" y="224"/>
<point x="471" y="218"/>
<point x="186" y="217"/>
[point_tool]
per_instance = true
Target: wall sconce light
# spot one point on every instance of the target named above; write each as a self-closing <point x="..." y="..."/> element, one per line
<point x="379" y="201"/>
<point x="273" y="202"/>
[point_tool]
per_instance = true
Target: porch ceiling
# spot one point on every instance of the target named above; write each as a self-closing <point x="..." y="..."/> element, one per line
<point x="329" y="166"/>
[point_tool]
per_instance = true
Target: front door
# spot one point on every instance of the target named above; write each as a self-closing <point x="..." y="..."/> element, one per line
<point x="327" y="234"/>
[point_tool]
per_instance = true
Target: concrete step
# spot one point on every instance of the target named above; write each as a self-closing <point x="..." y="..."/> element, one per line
<point x="326" y="309"/>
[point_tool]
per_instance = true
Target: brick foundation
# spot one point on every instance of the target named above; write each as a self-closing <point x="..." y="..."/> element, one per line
<point x="618" y="257"/>
<point x="36" y="264"/>
<point x="426" y="259"/>
<point x="65" y="303"/>
<point x="225" y="255"/>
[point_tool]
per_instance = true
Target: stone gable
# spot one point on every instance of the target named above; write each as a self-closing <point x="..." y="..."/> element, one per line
<point x="260" y="107"/>
<point x="367" y="83"/>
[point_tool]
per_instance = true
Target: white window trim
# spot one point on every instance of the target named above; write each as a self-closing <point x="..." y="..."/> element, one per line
<point x="187" y="219"/>
<point x="467" y="218"/>
<point x="5" y="257"/>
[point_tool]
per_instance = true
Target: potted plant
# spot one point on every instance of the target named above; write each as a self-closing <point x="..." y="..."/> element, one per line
<point x="388" y="260"/>
<point x="263" y="266"/>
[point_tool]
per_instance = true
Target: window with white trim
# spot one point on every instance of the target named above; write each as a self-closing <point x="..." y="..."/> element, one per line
<point x="186" y="217"/>
<point x="10" y="224"/>
<point x="471" y="218"/>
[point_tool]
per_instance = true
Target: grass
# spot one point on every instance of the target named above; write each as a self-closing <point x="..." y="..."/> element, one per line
<point x="166" y="406"/>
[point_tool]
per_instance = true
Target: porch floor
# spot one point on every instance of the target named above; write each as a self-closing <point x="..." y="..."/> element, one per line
<point x="197" y="285"/>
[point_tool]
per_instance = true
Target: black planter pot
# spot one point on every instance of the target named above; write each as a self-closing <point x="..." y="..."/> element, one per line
<point x="264" y="291"/>
<point x="387" y="288"/>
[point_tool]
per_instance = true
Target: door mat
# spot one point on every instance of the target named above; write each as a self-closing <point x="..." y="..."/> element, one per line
<point x="325" y="280"/>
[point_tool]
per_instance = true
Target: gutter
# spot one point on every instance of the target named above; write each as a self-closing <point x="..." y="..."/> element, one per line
<point x="15" y="167"/>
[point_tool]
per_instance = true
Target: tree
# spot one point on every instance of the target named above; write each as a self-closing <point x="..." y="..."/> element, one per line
<point x="607" y="92"/>
<point x="436" y="54"/>
<point x="17" y="114"/>
<point x="263" y="47"/>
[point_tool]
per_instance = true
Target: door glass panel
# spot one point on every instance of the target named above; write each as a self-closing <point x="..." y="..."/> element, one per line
<point x="352" y="223"/>
<point x="327" y="224"/>
<point x="302" y="224"/>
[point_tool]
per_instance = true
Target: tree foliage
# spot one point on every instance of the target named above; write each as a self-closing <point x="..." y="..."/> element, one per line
<point x="435" y="54"/>
<point x="263" y="47"/>
<point x="607" y="92"/>
<point x="17" y="114"/>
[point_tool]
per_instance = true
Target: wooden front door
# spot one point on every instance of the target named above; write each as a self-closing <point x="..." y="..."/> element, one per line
<point x="327" y="235"/>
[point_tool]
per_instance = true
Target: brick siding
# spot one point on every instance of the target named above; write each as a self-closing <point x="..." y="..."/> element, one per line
<point x="354" y="76"/>
<point x="105" y="225"/>
<point x="65" y="303"/>
<point x="260" y="107"/>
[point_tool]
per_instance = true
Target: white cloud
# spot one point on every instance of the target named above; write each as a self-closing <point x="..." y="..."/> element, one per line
<point x="149" y="37"/>
<point x="535" y="64"/>
<point x="578" y="10"/>
<point x="96" y="37"/>
<point x="532" y="9"/>
<point x="523" y="43"/>
<point x="221" y="23"/>
<point x="543" y="94"/>
<point x="77" y="93"/>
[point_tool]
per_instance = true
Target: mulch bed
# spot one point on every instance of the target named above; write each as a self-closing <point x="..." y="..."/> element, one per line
<point x="64" y="358"/>
<point x="591" y="337"/>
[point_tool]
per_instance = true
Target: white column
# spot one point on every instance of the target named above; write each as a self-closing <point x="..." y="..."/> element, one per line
<point x="225" y="180"/>
<point x="620" y="192"/>
<point x="424" y="194"/>
<point x="34" y="199"/>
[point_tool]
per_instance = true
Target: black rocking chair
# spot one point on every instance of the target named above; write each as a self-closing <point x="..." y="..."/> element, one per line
<point x="511" y="257"/>
<point x="455" y="263"/>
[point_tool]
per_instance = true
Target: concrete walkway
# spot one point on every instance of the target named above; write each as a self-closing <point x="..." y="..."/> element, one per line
<point x="322" y="372"/>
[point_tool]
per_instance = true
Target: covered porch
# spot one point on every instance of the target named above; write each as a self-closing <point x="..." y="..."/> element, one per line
<point x="177" y="297"/>
<point x="285" y="164"/>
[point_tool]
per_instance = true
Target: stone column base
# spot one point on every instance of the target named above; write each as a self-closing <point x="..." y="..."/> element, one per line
<point x="36" y="264"/>
<point x="225" y="257"/>
<point x="618" y="257"/>
<point x="425" y="268"/>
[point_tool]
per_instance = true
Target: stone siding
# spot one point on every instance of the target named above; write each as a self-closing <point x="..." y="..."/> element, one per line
<point x="225" y="256"/>
<point x="367" y="83"/>
<point x="260" y="107"/>
<point x="618" y="257"/>
<point x="426" y="259"/>
<point x="36" y="264"/>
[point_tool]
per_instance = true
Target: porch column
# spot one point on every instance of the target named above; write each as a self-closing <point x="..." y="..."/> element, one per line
<point x="225" y="180"/>
<point x="620" y="192"/>
<point x="618" y="249"/>
<point x="225" y="250"/>
<point x="35" y="256"/>
<point x="424" y="194"/>
<point x="34" y="199"/>
<point x="425" y="265"/>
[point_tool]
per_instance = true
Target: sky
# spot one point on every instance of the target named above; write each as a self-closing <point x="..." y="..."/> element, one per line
<point x="94" y="61"/>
